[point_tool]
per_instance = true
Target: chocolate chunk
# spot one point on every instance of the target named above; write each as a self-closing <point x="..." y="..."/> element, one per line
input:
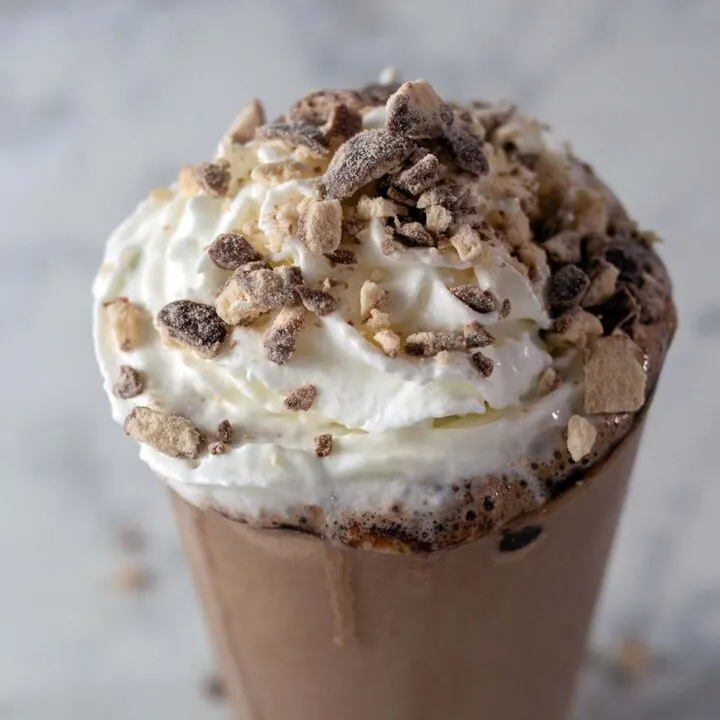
<point x="581" y="436"/>
<point x="320" y="226"/>
<point x="317" y="301"/>
<point x="574" y="328"/>
<point x="416" y="111"/>
<point x="514" y="540"/>
<point x="421" y="176"/>
<point x="171" y="435"/>
<point x="414" y="235"/>
<point x="281" y="338"/>
<point x="317" y="107"/>
<point x="506" y="308"/>
<point x="231" y="250"/>
<point x="295" y="135"/>
<point x="342" y="256"/>
<point x="614" y="376"/>
<point x="482" y="301"/>
<point x="467" y="150"/>
<point x="603" y="282"/>
<point x="343" y="122"/>
<point x="301" y="398"/>
<point x="225" y="430"/>
<point x="389" y="341"/>
<point x="323" y="445"/>
<point x="429" y="344"/>
<point x="476" y="336"/>
<point x="126" y="319"/>
<point x="246" y="123"/>
<point x="567" y="287"/>
<point x="483" y="363"/>
<point x="130" y="383"/>
<point x="365" y="157"/>
<point x="269" y="289"/>
<point x="195" y="325"/>
<point x="214" y="178"/>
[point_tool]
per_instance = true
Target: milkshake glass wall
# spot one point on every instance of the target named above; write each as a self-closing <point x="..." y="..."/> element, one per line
<point x="392" y="356"/>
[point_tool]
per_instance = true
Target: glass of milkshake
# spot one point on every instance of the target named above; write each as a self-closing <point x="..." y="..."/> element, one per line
<point x="392" y="356"/>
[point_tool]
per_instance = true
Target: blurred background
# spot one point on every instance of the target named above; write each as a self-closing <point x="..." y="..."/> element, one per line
<point x="101" y="101"/>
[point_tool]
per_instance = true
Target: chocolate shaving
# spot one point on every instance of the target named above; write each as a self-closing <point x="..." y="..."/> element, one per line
<point x="343" y="122"/>
<point x="567" y="287"/>
<point x="603" y="282"/>
<point x="171" y="435"/>
<point x="269" y="289"/>
<point x="317" y="107"/>
<point x="614" y="376"/>
<point x="246" y="123"/>
<point x="295" y="135"/>
<point x="231" y="250"/>
<point x="323" y="445"/>
<point x="214" y="178"/>
<point x="320" y="226"/>
<point x="476" y="336"/>
<point x="416" y="111"/>
<point x="130" y="383"/>
<point x="428" y="344"/>
<point x="467" y="150"/>
<point x="342" y="256"/>
<point x="317" y="301"/>
<point x="414" y="234"/>
<point x="225" y="430"/>
<point x="483" y="364"/>
<point x="301" y="398"/>
<point x="364" y="158"/>
<point x="281" y="338"/>
<point x="195" y="325"/>
<point x="421" y="176"/>
<point x="482" y="301"/>
<point x="126" y="319"/>
<point x="505" y="309"/>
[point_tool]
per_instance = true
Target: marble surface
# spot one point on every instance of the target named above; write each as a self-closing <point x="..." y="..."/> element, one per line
<point x="101" y="100"/>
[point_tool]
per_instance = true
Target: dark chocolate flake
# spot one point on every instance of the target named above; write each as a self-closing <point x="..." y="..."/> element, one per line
<point x="482" y="301"/>
<point x="225" y="430"/>
<point x="364" y="158"/>
<point x="567" y="287"/>
<point x="468" y="151"/>
<point x="301" y="398"/>
<point x="214" y="178"/>
<point x="231" y="250"/>
<point x="342" y="256"/>
<point x="317" y="301"/>
<point x="414" y="234"/>
<point x="476" y="336"/>
<point x="343" y="122"/>
<point x="193" y="324"/>
<point x="294" y="135"/>
<point x="323" y="445"/>
<point x="483" y="364"/>
<point x="281" y="338"/>
<point x="130" y="383"/>
<point x="421" y="176"/>
<point x="416" y="111"/>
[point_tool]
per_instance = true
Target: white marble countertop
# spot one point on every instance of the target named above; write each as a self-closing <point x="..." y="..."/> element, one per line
<point x="101" y="100"/>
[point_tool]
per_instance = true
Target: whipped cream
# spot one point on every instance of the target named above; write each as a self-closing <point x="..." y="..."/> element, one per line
<point x="397" y="423"/>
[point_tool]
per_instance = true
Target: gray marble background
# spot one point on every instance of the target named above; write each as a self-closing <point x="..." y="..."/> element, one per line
<point x="102" y="100"/>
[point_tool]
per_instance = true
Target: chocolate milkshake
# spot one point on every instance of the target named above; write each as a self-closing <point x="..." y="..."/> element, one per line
<point x="392" y="356"/>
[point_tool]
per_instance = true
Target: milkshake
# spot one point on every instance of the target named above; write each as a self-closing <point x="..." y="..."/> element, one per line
<point x="392" y="357"/>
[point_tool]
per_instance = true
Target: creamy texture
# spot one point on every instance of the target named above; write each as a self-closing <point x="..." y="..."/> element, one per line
<point x="398" y="423"/>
